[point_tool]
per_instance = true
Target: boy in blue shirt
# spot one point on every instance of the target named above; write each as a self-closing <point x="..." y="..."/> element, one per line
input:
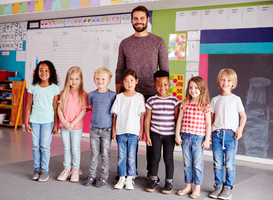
<point x="101" y="101"/>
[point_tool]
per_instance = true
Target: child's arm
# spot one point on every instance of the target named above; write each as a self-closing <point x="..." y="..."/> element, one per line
<point x="140" y="135"/>
<point x="178" y="139"/>
<point x="239" y="131"/>
<point x="55" y="105"/>
<point x="78" y="118"/>
<point x="212" y="116"/>
<point x="114" y="137"/>
<point x="66" y="124"/>
<point x="176" y="112"/>
<point x="206" y="142"/>
<point x="147" y="126"/>
<point x="28" y="111"/>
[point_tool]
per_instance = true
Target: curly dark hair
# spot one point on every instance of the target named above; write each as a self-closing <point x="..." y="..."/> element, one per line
<point x="53" y="75"/>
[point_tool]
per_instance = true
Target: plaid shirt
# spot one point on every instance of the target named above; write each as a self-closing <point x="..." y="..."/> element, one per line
<point x="193" y="120"/>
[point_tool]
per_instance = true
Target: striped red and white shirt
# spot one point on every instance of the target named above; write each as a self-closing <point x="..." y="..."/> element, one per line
<point x="193" y="120"/>
<point x="162" y="121"/>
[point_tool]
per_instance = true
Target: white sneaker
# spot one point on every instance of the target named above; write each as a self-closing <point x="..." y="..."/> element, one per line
<point x="129" y="184"/>
<point x="120" y="183"/>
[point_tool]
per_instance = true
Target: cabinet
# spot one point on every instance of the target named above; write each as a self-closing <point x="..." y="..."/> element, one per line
<point x="10" y="105"/>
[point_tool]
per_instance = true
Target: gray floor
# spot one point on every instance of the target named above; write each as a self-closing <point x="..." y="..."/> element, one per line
<point x="256" y="180"/>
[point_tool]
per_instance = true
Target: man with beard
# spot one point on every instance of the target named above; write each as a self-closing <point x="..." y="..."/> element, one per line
<point x="142" y="52"/>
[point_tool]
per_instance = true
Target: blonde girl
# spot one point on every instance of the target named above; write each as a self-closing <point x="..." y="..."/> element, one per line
<point x="72" y="107"/>
<point x="193" y="132"/>
<point x="41" y="112"/>
<point x="128" y="123"/>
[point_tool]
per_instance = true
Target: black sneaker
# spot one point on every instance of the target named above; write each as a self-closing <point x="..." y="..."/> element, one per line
<point x="151" y="186"/>
<point x="168" y="188"/>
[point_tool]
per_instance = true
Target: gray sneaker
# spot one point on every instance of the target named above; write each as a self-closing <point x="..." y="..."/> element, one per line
<point x="43" y="175"/>
<point x="226" y="193"/>
<point x="36" y="174"/>
<point x="216" y="192"/>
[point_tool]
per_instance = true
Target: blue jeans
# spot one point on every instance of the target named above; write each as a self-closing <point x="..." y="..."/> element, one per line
<point x="71" y="144"/>
<point x="193" y="157"/>
<point x="224" y="148"/>
<point x="127" y="145"/>
<point x="41" y="140"/>
<point x="100" y="142"/>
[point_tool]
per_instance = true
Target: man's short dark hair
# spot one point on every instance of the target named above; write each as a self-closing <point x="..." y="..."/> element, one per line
<point x="161" y="73"/>
<point x="140" y="8"/>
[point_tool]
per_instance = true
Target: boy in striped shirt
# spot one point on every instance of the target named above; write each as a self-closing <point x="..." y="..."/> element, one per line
<point x="161" y="115"/>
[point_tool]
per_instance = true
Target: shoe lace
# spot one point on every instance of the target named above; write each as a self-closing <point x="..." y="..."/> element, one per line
<point x="75" y="171"/>
<point x="64" y="171"/>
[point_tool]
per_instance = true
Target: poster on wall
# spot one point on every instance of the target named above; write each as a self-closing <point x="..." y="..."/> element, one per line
<point x="177" y="83"/>
<point x="177" y="44"/>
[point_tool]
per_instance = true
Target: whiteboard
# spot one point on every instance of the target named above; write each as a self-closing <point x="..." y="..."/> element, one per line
<point x="87" y="47"/>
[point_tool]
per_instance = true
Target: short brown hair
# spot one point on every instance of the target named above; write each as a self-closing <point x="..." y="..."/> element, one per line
<point x="140" y="8"/>
<point x="231" y="74"/>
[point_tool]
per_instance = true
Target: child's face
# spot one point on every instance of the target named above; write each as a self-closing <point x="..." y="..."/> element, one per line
<point x="75" y="80"/>
<point x="102" y="80"/>
<point x="225" y="83"/>
<point x="44" y="72"/>
<point x="129" y="83"/>
<point x="193" y="90"/>
<point x="162" y="86"/>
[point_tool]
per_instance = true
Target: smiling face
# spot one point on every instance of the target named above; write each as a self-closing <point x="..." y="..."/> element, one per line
<point x="102" y="80"/>
<point x="44" y="72"/>
<point x="162" y="86"/>
<point x="75" y="80"/>
<point x="129" y="83"/>
<point x="140" y="21"/>
<point x="194" y="90"/>
<point x="225" y="83"/>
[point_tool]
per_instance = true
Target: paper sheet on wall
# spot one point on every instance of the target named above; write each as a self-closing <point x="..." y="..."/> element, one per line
<point x="21" y="56"/>
<point x="194" y="20"/>
<point x="193" y="49"/>
<point x="265" y="16"/>
<point x="235" y="17"/>
<point x="181" y="21"/>
<point x="188" y="77"/>
<point x="250" y="15"/>
<point x="207" y="19"/>
<point x="220" y="18"/>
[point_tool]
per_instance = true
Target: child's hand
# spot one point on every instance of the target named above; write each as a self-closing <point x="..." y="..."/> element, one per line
<point x="28" y="129"/>
<point x="55" y="130"/>
<point x="149" y="142"/>
<point x="114" y="137"/>
<point x="238" y="134"/>
<point x="206" y="144"/>
<point x="140" y="136"/>
<point x="67" y="125"/>
<point x="178" y="140"/>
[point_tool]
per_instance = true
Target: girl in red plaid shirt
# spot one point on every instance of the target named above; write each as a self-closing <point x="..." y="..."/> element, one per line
<point x="193" y="130"/>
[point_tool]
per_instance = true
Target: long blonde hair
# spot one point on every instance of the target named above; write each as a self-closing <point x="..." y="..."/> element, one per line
<point x="204" y="93"/>
<point x="66" y="89"/>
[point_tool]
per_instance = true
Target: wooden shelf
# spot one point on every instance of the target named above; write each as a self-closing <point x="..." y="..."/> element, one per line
<point x="12" y="112"/>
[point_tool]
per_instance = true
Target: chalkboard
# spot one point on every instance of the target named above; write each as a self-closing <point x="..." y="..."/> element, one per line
<point x="87" y="47"/>
<point x="255" y="81"/>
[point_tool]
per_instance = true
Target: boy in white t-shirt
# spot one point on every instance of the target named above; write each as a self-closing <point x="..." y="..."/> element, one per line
<point x="226" y="132"/>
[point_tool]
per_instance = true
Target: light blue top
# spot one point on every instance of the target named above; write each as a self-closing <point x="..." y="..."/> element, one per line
<point x="42" y="106"/>
<point x="101" y="105"/>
